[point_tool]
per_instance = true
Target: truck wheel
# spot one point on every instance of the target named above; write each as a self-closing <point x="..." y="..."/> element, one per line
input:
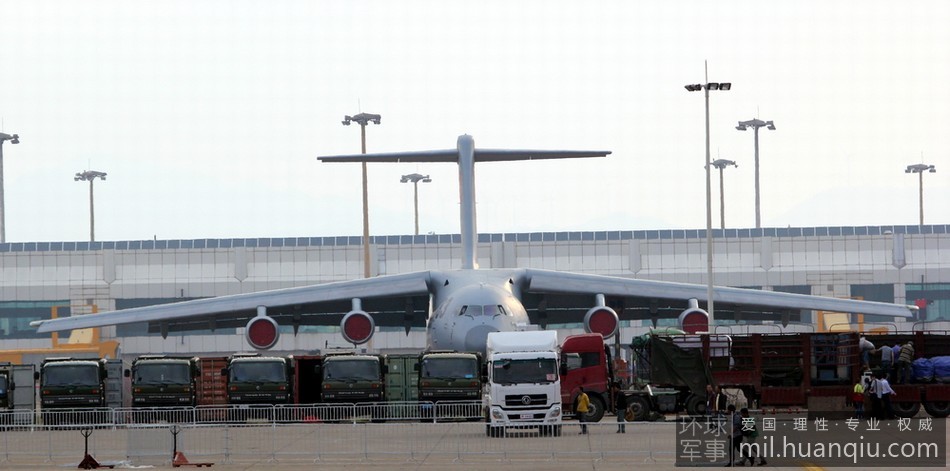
<point x="695" y="405"/>
<point x="596" y="409"/>
<point x="639" y="406"/>
<point x="938" y="409"/>
<point x="906" y="409"/>
<point x="557" y="430"/>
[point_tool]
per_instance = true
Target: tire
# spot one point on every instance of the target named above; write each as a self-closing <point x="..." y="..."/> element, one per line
<point x="906" y="410"/>
<point x="695" y="405"/>
<point x="639" y="406"/>
<point x="937" y="409"/>
<point x="557" y="430"/>
<point x="596" y="409"/>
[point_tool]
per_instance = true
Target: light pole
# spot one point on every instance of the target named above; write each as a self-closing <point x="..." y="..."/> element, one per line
<point x="14" y="139"/>
<point x="920" y="169"/>
<point x="90" y="176"/>
<point x="721" y="164"/>
<point x="709" y="256"/>
<point x="756" y="124"/>
<point x="363" y="119"/>
<point x="415" y="178"/>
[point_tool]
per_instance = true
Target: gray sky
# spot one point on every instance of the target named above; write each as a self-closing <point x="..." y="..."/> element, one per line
<point x="208" y="116"/>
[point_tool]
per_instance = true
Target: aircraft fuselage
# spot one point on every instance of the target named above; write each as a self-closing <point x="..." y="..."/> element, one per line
<point x="468" y="304"/>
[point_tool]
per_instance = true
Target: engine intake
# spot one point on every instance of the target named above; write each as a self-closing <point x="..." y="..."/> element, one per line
<point x="601" y="320"/>
<point x="357" y="327"/>
<point x="694" y="319"/>
<point x="261" y="332"/>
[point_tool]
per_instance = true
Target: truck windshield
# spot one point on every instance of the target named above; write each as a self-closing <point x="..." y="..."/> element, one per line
<point x="71" y="375"/>
<point x="3" y="384"/>
<point x="163" y="373"/>
<point x="359" y="370"/>
<point x="449" y="368"/>
<point x="258" y="371"/>
<point x="539" y="370"/>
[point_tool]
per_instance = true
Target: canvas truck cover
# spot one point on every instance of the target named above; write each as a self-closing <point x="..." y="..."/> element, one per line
<point x="527" y="341"/>
<point x="673" y="366"/>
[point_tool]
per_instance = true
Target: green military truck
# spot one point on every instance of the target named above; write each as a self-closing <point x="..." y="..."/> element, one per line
<point x="67" y="384"/>
<point x="163" y="381"/>
<point x="451" y="382"/>
<point x="255" y="384"/>
<point x="352" y="378"/>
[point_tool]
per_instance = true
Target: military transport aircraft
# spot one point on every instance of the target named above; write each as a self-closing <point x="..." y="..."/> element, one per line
<point x="460" y="307"/>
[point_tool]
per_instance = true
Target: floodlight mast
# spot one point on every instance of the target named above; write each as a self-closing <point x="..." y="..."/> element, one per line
<point x="415" y="178"/>
<point x="721" y="164"/>
<point x="919" y="169"/>
<point x="90" y="176"/>
<point x="14" y="139"/>
<point x="363" y="119"/>
<point x="756" y="124"/>
<point x="724" y="86"/>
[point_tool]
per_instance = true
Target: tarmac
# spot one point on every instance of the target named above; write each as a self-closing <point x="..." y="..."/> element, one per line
<point x="391" y="447"/>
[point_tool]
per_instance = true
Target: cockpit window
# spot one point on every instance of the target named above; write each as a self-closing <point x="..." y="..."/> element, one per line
<point x="494" y="310"/>
<point x="490" y="310"/>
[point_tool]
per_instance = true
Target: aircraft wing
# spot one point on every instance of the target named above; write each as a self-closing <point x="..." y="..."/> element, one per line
<point x="568" y="293"/>
<point x="323" y="304"/>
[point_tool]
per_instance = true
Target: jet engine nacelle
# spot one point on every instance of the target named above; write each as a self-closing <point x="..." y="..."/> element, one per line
<point x="357" y="327"/>
<point x="694" y="319"/>
<point x="601" y="320"/>
<point x="261" y="332"/>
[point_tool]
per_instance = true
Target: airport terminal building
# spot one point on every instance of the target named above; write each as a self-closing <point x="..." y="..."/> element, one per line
<point x="902" y="264"/>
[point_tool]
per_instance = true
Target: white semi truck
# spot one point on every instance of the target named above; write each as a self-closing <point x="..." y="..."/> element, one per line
<point x="524" y="386"/>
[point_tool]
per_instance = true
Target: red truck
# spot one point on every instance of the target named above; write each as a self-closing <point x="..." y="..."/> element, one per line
<point x="585" y="360"/>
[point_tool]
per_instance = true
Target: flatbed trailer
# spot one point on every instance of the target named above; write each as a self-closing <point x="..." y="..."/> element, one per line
<point x="776" y="370"/>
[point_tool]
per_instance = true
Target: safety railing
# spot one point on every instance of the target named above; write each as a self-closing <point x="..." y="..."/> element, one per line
<point x="249" y="414"/>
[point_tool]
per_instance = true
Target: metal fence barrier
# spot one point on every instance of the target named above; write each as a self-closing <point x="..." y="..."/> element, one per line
<point x="248" y="414"/>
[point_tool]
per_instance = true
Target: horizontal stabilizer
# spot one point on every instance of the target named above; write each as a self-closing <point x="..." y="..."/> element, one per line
<point x="452" y="155"/>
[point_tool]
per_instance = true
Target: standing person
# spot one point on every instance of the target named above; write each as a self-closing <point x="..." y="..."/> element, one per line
<point x="583" y="406"/>
<point x="712" y="407"/>
<point x="736" y="421"/>
<point x="887" y="361"/>
<point x="873" y="388"/>
<point x="866" y="348"/>
<point x="857" y="398"/>
<point x="751" y="434"/>
<point x="710" y="400"/>
<point x="620" y="407"/>
<point x="905" y="362"/>
<point x="884" y="393"/>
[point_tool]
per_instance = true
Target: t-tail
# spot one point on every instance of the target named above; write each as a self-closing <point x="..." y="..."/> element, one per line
<point x="466" y="155"/>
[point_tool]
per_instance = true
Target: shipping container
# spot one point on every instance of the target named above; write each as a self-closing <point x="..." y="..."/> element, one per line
<point x="402" y="377"/>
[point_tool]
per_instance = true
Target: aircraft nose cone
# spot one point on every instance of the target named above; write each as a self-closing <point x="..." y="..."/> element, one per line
<point x="476" y="338"/>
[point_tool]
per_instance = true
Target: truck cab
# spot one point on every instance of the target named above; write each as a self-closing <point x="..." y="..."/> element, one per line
<point x="586" y="362"/>
<point x="69" y="383"/>
<point x="352" y="378"/>
<point x="163" y="381"/>
<point x="449" y="376"/>
<point x="524" y="387"/>
<point x="256" y="379"/>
